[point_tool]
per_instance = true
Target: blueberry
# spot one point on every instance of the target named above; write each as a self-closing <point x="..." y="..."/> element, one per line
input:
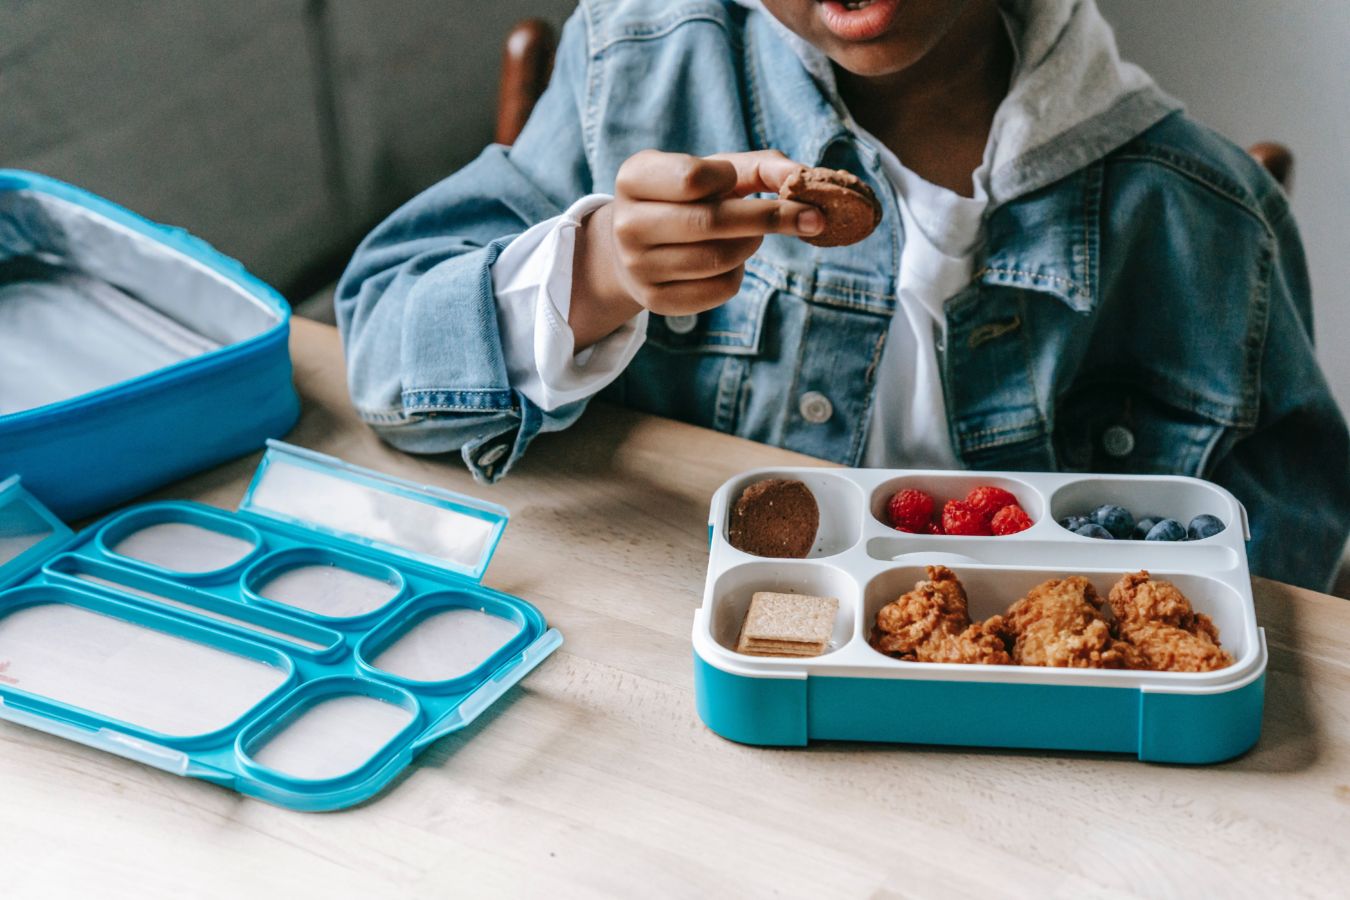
<point x="1203" y="526"/>
<point x="1073" y="523"/>
<point x="1167" y="530"/>
<point x="1093" y="530"/>
<point x="1143" y="527"/>
<point x="1115" y="519"/>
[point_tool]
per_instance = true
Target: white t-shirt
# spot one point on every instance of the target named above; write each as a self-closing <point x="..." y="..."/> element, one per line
<point x="942" y="232"/>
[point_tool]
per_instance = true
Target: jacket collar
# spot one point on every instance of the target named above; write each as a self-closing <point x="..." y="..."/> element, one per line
<point x="1049" y="241"/>
<point x="1046" y="241"/>
<point x="788" y="109"/>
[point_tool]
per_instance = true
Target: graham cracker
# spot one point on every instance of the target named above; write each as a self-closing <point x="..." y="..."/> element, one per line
<point x="778" y="624"/>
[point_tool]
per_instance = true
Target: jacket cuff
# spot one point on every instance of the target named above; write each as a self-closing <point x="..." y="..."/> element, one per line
<point x="490" y="456"/>
<point x="450" y="357"/>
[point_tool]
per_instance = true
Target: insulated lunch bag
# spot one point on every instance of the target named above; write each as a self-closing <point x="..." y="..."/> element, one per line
<point x="131" y="354"/>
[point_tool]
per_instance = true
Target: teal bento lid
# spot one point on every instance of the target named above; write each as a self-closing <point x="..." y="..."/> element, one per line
<point x="28" y="530"/>
<point x="338" y="630"/>
<point x="418" y="522"/>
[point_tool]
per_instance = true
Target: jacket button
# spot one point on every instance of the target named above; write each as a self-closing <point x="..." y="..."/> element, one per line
<point x="815" y="407"/>
<point x="1118" y="441"/>
<point x="492" y="455"/>
<point x="681" y="324"/>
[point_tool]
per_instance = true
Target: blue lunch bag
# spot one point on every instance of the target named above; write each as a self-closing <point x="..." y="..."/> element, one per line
<point x="131" y="354"/>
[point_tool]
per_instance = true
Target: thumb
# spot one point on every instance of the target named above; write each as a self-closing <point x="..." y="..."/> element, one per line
<point x="759" y="171"/>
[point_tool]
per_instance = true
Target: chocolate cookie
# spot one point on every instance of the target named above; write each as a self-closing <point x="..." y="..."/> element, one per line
<point x="774" y="517"/>
<point x="851" y="209"/>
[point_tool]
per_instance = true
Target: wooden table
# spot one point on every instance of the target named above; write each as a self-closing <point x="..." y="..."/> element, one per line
<point x="596" y="777"/>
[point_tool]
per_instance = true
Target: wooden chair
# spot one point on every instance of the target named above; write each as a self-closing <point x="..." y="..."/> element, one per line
<point x="1277" y="159"/>
<point x="527" y="60"/>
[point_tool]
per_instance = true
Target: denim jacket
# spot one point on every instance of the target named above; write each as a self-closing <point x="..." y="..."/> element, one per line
<point x="1148" y="312"/>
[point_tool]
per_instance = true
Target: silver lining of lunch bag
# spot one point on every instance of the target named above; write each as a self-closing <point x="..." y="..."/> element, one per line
<point x="63" y="233"/>
<point x="86" y="302"/>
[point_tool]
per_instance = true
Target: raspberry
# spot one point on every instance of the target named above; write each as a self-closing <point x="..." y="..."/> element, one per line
<point x="934" y="527"/>
<point x="987" y="500"/>
<point x="959" y="518"/>
<point x="910" y="510"/>
<point x="1010" y="520"/>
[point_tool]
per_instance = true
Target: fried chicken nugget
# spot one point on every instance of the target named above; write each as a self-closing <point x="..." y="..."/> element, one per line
<point x="932" y="624"/>
<point x="1059" y="623"/>
<point x="1167" y="635"/>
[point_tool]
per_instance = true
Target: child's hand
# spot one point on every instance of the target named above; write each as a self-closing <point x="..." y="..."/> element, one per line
<point x="677" y="235"/>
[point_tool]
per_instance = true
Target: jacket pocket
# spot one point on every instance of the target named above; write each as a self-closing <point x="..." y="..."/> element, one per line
<point x="697" y="368"/>
<point x="734" y="328"/>
<point x="1129" y="428"/>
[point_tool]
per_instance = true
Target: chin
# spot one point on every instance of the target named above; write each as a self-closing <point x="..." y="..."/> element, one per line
<point x="869" y="38"/>
<point x="873" y="60"/>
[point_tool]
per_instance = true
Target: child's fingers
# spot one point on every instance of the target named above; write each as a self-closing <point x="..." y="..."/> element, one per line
<point x="676" y="177"/>
<point x="682" y="298"/>
<point x="691" y="262"/>
<point x="759" y="171"/>
<point x="652" y="224"/>
<point x="683" y="228"/>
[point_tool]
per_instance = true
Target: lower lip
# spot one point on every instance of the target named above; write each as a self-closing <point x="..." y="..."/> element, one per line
<point x="864" y="24"/>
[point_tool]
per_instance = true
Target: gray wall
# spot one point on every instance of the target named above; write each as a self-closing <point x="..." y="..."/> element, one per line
<point x="1265" y="70"/>
<point x="278" y="130"/>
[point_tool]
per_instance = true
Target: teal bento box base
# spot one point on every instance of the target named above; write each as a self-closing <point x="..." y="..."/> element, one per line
<point x="135" y="355"/>
<point x="851" y="691"/>
<point x="1154" y="727"/>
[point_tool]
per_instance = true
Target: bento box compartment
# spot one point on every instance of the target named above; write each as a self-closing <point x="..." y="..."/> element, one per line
<point x="70" y="648"/>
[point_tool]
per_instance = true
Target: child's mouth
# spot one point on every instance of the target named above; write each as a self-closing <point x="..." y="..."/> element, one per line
<point x="858" y="20"/>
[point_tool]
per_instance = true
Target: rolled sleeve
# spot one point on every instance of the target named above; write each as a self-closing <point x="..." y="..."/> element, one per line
<point x="416" y="307"/>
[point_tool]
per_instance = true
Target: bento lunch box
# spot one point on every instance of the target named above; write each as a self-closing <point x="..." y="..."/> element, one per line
<point x="302" y="650"/>
<point x="853" y="692"/>
<point x="131" y="354"/>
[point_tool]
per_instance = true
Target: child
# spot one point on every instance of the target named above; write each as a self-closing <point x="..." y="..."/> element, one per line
<point x="1069" y="274"/>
